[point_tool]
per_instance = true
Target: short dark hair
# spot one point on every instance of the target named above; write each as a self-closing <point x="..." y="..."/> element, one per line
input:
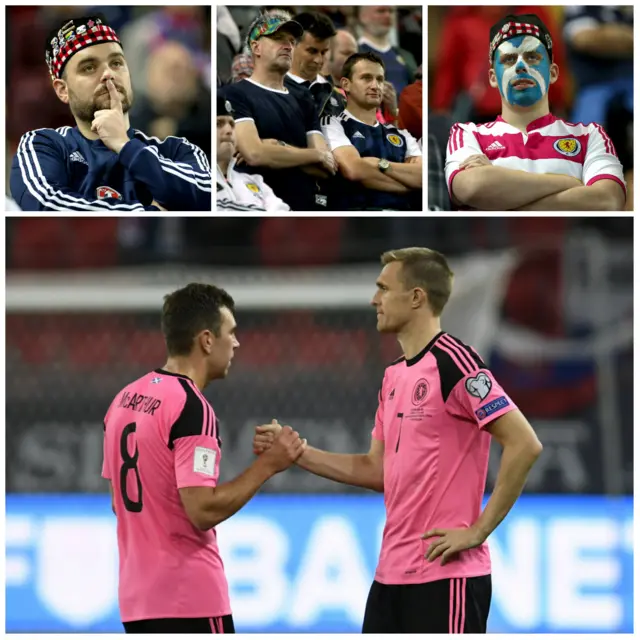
<point x="190" y="310"/>
<point x="427" y="269"/>
<point x="353" y="60"/>
<point x="317" y="24"/>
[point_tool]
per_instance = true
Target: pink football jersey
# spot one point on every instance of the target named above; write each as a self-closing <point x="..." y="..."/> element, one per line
<point x="161" y="435"/>
<point x="432" y="414"/>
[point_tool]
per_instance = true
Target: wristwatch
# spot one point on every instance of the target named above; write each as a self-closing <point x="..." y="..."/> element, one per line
<point x="383" y="165"/>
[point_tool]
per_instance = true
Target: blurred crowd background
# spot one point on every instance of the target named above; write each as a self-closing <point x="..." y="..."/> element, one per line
<point x="405" y="35"/>
<point x="593" y="46"/>
<point x="168" y="51"/>
<point x="546" y="301"/>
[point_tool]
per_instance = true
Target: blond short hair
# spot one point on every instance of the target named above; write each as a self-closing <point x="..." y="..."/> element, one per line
<point x="424" y="268"/>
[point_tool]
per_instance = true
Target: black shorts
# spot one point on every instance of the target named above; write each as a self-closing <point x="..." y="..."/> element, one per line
<point x="222" y="624"/>
<point x="454" y="605"/>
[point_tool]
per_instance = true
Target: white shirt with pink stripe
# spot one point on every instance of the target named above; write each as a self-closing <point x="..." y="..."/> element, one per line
<point x="550" y="145"/>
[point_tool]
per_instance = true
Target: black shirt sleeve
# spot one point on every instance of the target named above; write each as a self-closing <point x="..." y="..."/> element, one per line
<point x="241" y="103"/>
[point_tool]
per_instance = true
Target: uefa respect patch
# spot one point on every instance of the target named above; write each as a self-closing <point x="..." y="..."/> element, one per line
<point x="492" y="407"/>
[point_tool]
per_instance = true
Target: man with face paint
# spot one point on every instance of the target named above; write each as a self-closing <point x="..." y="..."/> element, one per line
<point x="527" y="159"/>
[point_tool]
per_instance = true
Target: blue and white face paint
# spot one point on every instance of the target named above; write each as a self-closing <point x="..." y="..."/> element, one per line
<point x="523" y="70"/>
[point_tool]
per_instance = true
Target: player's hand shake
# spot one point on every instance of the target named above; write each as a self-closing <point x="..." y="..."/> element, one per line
<point x="285" y="449"/>
<point x="266" y="435"/>
<point x="109" y="124"/>
<point x="450" y="542"/>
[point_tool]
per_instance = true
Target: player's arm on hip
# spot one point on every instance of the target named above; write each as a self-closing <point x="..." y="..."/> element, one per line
<point x="360" y="470"/>
<point x="258" y="154"/>
<point x="520" y="449"/>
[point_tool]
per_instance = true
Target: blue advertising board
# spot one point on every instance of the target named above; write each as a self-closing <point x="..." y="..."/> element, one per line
<point x="305" y="564"/>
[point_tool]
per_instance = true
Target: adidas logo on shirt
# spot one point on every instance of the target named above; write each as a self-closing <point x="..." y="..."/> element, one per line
<point x="495" y="146"/>
<point x="76" y="156"/>
<point x="357" y="134"/>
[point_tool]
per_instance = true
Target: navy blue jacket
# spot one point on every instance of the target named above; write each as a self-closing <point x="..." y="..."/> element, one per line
<point x="61" y="170"/>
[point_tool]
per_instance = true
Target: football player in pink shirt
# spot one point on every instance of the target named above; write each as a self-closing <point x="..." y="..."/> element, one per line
<point x="162" y="450"/>
<point x="438" y="408"/>
<point x="528" y="159"/>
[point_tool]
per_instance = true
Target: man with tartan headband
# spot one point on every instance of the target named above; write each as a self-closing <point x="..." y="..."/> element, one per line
<point x="102" y="163"/>
<point x="527" y="159"/>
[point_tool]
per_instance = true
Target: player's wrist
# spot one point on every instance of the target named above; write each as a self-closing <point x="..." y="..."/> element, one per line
<point x="265" y="467"/>
<point x="480" y="533"/>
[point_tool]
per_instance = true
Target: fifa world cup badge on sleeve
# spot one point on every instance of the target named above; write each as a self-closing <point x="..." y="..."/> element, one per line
<point x="204" y="461"/>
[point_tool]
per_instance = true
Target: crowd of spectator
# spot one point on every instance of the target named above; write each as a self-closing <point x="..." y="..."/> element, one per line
<point x="320" y="108"/>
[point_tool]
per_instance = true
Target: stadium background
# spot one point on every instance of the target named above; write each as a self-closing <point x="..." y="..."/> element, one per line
<point x="455" y="55"/>
<point x="168" y="51"/>
<point x="233" y="22"/>
<point x="547" y="301"/>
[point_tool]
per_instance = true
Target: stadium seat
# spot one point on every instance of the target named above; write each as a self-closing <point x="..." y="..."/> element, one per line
<point x="300" y="241"/>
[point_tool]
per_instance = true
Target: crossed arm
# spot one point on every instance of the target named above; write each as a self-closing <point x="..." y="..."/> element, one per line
<point x="483" y="186"/>
<point x="401" y="177"/>
<point x="264" y="153"/>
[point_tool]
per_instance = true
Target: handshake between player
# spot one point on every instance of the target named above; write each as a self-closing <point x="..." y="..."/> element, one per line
<point x="282" y="446"/>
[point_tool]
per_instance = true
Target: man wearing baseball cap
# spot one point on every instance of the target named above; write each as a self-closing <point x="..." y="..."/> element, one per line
<point x="102" y="164"/>
<point x="527" y="159"/>
<point x="278" y="133"/>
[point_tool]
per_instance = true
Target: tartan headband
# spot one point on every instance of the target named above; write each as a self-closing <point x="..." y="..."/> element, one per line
<point x="73" y="36"/>
<point x="513" y="29"/>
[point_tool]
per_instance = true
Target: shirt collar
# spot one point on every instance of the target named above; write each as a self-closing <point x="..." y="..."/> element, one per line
<point x="232" y="164"/>
<point x="373" y="45"/>
<point x="300" y="80"/>
<point x="360" y="121"/>
<point x="538" y="123"/>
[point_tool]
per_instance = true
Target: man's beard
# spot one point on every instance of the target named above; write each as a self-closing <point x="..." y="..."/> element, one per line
<point x="378" y="30"/>
<point x="281" y="65"/>
<point x="85" y="110"/>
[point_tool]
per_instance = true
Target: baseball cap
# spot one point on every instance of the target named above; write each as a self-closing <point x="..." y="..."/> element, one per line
<point x="72" y="36"/>
<point x="224" y="107"/>
<point x="268" y="24"/>
<point x="513" y="26"/>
